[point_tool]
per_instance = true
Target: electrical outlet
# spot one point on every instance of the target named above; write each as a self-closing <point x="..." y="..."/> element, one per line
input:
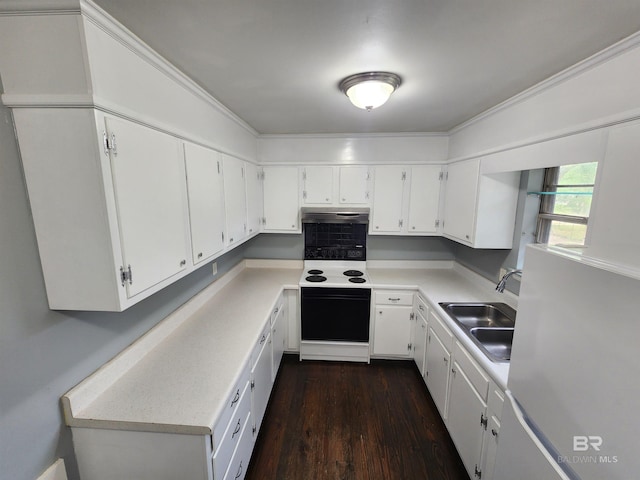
<point x="214" y="268"/>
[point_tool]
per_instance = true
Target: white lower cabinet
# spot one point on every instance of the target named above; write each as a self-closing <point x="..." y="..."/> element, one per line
<point x="467" y="417"/>
<point x="393" y="323"/>
<point x="420" y="330"/>
<point x="469" y="402"/>
<point x="278" y="334"/>
<point x="261" y="376"/>
<point x="242" y="455"/>
<point x="233" y="432"/>
<point x="438" y="358"/>
<point x="105" y="454"/>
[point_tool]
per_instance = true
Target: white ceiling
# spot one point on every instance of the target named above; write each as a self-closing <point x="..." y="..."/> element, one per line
<point x="277" y="63"/>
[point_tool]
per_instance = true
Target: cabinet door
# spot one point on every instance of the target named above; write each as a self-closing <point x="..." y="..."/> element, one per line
<point x="235" y="199"/>
<point x="278" y="336"/>
<point x="253" y="185"/>
<point x="392" y="330"/>
<point x="419" y="341"/>
<point x="317" y="185"/>
<point x="460" y="200"/>
<point x="261" y="382"/>
<point x="151" y="201"/>
<point x="424" y="199"/>
<point x="281" y="207"/>
<point x="206" y="201"/>
<point x="354" y="185"/>
<point x="387" y="199"/>
<point x="437" y="374"/>
<point x="490" y="447"/>
<point x="466" y="419"/>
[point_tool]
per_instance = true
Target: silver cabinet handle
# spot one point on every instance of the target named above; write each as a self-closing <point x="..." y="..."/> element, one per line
<point x="394" y="299"/>
<point x="200" y="255"/>
<point x="236" y="397"/>
<point x="421" y="308"/>
<point x="262" y="339"/>
<point x="183" y="263"/>
<point x="239" y="474"/>
<point x="493" y="432"/>
<point x="445" y="360"/>
<point x="237" y="429"/>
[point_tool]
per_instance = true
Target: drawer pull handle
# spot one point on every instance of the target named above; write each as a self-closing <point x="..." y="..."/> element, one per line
<point x="238" y="426"/>
<point x="445" y="360"/>
<point x="262" y="339"/>
<point x="394" y="299"/>
<point x="235" y="398"/>
<point x="421" y="308"/>
<point x="239" y="474"/>
<point x="493" y="432"/>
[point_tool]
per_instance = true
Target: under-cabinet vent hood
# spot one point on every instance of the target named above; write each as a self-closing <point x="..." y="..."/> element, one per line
<point x="334" y="215"/>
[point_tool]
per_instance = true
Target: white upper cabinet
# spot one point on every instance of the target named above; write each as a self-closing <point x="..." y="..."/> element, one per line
<point x="355" y="183"/>
<point x="253" y="182"/>
<point x="206" y="201"/>
<point x="148" y="181"/>
<point x="460" y="200"/>
<point x="424" y="199"/>
<point x="388" y="191"/>
<point x="281" y="200"/>
<point x="109" y="203"/>
<point x="317" y="185"/>
<point x="235" y="199"/>
<point x="406" y="200"/>
<point x="480" y="210"/>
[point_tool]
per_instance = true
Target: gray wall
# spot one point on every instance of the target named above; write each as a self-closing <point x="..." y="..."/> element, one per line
<point x="44" y="353"/>
<point x="287" y="246"/>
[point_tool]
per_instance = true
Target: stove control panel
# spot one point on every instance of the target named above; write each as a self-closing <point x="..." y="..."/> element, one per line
<point x="337" y="253"/>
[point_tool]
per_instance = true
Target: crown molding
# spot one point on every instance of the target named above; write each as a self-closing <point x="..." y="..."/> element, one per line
<point x="39" y="7"/>
<point x="118" y="32"/>
<point x="624" y="45"/>
<point x="100" y="18"/>
<point x="268" y="136"/>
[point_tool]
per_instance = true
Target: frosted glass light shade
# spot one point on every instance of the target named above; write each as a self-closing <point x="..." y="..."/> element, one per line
<point x="370" y="90"/>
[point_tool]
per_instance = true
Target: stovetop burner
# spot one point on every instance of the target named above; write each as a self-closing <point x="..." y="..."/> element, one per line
<point x="316" y="278"/>
<point x="357" y="280"/>
<point x="315" y="272"/>
<point x="353" y="273"/>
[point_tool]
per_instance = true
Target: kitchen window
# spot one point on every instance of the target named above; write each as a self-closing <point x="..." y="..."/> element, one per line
<point x="565" y="204"/>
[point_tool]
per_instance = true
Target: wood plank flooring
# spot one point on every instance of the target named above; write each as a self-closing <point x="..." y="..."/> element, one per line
<point x="351" y="421"/>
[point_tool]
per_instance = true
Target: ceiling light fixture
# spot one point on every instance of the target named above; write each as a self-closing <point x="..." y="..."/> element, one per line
<point x="369" y="90"/>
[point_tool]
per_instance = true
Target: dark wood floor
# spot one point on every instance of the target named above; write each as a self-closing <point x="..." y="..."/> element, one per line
<point x="350" y="421"/>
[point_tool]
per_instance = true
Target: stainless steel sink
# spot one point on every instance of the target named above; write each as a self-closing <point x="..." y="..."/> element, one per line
<point x="489" y="325"/>
<point x="495" y="341"/>
<point x="481" y="314"/>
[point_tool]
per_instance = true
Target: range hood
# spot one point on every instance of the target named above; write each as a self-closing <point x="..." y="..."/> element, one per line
<point x="334" y="215"/>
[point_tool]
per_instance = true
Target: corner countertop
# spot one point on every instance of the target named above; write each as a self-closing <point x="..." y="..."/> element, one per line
<point x="177" y="376"/>
<point x="447" y="282"/>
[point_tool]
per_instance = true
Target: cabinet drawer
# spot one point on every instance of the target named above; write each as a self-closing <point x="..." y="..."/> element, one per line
<point x="496" y="400"/>
<point x="231" y="405"/>
<point x="232" y="434"/>
<point x="390" y="297"/>
<point x="472" y="370"/>
<point x="438" y="326"/>
<point x="262" y="338"/>
<point x="240" y="460"/>
<point x="421" y="306"/>
<point x="277" y="309"/>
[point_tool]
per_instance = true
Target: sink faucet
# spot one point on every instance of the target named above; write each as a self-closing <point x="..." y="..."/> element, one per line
<point x="505" y="277"/>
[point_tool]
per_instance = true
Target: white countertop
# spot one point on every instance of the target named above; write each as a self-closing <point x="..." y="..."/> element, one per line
<point x="177" y="377"/>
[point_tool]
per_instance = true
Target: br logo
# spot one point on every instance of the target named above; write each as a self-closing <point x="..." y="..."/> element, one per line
<point x="582" y="443"/>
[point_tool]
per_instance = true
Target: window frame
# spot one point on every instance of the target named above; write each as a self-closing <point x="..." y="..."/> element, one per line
<point x="546" y="217"/>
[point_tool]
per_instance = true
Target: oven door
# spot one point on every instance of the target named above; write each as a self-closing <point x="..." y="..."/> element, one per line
<point x="335" y="314"/>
